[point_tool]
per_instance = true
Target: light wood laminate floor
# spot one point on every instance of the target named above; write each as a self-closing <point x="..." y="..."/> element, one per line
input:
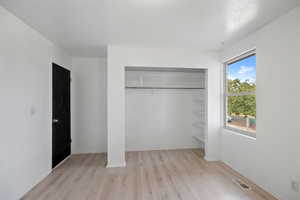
<point x="150" y="175"/>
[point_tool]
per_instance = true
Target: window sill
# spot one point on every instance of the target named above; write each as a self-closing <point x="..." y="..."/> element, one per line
<point x="239" y="132"/>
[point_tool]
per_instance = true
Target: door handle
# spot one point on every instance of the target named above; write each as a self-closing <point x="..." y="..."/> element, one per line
<point x="55" y="120"/>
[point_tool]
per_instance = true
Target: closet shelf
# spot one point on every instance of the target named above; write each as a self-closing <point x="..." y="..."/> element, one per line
<point x="193" y="88"/>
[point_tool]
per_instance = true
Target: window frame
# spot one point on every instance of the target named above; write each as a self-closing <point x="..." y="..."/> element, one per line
<point x="226" y="95"/>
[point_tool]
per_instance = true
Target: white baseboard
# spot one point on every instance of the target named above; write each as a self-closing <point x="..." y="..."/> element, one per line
<point x="210" y="159"/>
<point x="61" y="162"/>
<point x="43" y="177"/>
<point x="163" y="148"/>
<point x="36" y="183"/>
<point x="116" y="165"/>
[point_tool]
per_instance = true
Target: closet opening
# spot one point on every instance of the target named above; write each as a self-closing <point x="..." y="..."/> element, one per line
<point x="166" y="108"/>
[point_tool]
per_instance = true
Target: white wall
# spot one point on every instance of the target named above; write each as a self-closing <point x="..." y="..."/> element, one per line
<point x="89" y="92"/>
<point x="163" y="119"/>
<point x="25" y="105"/>
<point x="120" y="57"/>
<point x="273" y="159"/>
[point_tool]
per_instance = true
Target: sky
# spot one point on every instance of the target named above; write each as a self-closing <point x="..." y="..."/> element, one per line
<point x="243" y="70"/>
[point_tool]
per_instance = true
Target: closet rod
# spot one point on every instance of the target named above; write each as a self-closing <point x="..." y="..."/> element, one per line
<point x="164" y="88"/>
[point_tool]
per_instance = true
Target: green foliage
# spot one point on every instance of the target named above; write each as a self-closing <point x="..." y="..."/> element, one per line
<point x="241" y="105"/>
<point x="236" y="86"/>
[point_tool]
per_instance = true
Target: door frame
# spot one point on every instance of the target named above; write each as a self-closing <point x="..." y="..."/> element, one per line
<point x="51" y="112"/>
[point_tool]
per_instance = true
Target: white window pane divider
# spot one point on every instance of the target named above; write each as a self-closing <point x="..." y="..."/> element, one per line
<point x="240" y="94"/>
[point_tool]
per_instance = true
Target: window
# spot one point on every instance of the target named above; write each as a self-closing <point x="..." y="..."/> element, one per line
<point x="240" y="98"/>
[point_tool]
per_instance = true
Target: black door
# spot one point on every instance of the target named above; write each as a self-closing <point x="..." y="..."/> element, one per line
<point x="61" y="114"/>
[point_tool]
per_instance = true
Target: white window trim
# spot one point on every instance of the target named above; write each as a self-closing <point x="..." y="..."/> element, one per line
<point x="235" y="59"/>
